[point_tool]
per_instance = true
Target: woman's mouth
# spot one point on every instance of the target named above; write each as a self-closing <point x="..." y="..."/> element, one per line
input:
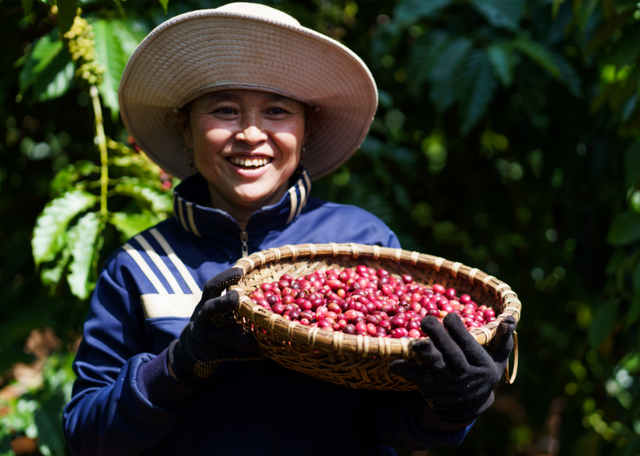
<point x="249" y="162"/>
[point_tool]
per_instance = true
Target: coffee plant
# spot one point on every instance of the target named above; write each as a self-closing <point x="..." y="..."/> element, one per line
<point x="506" y="138"/>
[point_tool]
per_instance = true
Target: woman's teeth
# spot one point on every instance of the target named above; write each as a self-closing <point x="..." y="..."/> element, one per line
<point x="249" y="162"/>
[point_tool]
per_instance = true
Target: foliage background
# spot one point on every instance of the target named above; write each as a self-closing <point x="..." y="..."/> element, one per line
<point x="506" y="138"/>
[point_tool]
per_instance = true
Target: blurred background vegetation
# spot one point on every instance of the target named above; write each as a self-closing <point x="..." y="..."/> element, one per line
<point x="506" y="138"/>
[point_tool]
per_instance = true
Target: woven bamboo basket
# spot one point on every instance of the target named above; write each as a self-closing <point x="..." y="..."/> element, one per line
<point x="351" y="360"/>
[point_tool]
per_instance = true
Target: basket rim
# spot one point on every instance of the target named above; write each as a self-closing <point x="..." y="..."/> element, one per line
<point x="366" y="346"/>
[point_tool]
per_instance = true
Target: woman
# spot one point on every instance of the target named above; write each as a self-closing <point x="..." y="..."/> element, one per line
<point x="248" y="107"/>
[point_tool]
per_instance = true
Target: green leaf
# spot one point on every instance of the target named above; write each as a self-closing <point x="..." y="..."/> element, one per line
<point x="624" y="229"/>
<point x="583" y="13"/>
<point x="53" y="221"/>
<point x="66" y="13"/>
<point x="83" y="239"/>
<point x="130" y="34"/>
<point x="111" y="55"/>
<point x="629" y="107"/>
<point x="64" y="178"/>
<point x="146" y="195"/>
<point x="500" y="13"/>
<point x="43" y="53"/>
<point x="634" y="309"/>
<point x="632" y="164"/>
<point x="131" y="224"/>
<point x="27" y="7"/>
<point x="556" y="7"/>
<point x="56" y="79"/>
<point x="624" y="5"/>
<point x="538" y="53"/>
<point x="165" y="4"/>
<point x="408" y="12"/>
<point x="422" y="58"/>
<point x="503" y="61"/>
<point x="50" y="436"/>
<point x="625" y="50"/>
<point x="476" y="89"/>
<point x="444" y="71"/>
<point x="603" y="323"/>
<point x="51" y="276"/>
<point x="447" y="63"/>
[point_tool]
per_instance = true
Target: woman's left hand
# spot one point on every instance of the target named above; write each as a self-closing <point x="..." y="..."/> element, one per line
<point x="456" y="375"/>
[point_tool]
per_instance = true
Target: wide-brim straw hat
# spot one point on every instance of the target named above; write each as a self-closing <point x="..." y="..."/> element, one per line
<point x="245" y="46"/>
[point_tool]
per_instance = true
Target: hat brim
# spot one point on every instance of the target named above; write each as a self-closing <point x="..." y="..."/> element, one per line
<point x="210" y="50"/>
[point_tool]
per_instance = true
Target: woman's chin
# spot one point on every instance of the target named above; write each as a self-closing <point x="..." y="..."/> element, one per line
<point x="259" y="196"/>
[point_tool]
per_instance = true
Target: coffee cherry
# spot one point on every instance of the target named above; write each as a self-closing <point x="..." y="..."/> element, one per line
<point x="367" y="302"/>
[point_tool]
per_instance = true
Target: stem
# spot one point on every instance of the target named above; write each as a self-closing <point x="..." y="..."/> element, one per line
<point x="102" y="146"/>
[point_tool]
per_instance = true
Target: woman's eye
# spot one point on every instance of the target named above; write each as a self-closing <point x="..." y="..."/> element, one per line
<point x="224" y="111"/>
<point x="277" y="111"/>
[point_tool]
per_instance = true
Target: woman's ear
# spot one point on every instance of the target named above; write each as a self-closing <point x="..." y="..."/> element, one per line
<point x="185" y="126"/>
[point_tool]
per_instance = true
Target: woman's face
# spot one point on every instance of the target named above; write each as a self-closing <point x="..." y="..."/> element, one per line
<point x="246" y="145"/>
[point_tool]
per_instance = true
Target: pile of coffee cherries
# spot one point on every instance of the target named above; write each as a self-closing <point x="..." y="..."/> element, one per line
<point x="366" y="301"/>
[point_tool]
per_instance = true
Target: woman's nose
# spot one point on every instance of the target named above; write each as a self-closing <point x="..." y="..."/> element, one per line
<point x="251" y="131"/>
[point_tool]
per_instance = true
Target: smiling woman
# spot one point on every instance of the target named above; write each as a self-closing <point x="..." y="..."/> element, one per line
<point x="246" y="144"/>
<point x="247" y="107"/>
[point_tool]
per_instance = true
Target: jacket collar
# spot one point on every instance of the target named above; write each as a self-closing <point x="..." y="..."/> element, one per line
<point x="191" y="197"/>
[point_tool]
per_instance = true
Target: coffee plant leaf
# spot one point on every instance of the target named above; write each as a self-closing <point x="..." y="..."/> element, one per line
<point x="447" y="63"/>
<point x="624" y="229"/>
<point x="500" y="13"/>
<point x="408" y="12"/>
<point x="111" y="55"/>
<point x="503" y="61"/>
<point x="165" y="4"/>
<point x="53" y="221"/>
<point x="476" y="88"/>
<point x="51" y="275"/>
<point x="537" y="53"/>
<point x="634" y="310"/>
<point x="131" y="224"/>
<point x="129" y="33"/>
<point x="422" y="58"/>
<point x="66" y="13"/>
<point x="56" y="79"/>
<point x="146" y="195"/>
<point x="83" y="238"/>
<point x="444" y="71"/>
<point x="603" y="323"/>
<point x="65" y="178"/>
<point x="44" y="51"/>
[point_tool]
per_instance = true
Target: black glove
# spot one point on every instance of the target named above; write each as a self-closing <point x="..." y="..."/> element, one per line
<point x="212" y="335"/>
<point x="456" y="375"/>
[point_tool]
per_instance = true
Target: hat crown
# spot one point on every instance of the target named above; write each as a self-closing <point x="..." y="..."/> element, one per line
<point x="258" y="11"/>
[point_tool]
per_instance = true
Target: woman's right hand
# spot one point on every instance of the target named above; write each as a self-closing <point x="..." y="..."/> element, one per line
<point x="212" y="335"/>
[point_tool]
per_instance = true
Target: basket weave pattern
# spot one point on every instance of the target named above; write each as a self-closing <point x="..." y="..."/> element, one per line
<point x="351" y="360"/>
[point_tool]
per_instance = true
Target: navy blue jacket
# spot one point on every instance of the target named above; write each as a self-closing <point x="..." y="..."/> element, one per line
<point x="126" y="403"/>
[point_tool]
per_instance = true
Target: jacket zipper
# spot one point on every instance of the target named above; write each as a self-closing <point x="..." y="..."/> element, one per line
<point x="244" y="238"/>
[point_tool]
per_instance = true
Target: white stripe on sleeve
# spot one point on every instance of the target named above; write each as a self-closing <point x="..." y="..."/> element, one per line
<point x="182" y="269"/>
